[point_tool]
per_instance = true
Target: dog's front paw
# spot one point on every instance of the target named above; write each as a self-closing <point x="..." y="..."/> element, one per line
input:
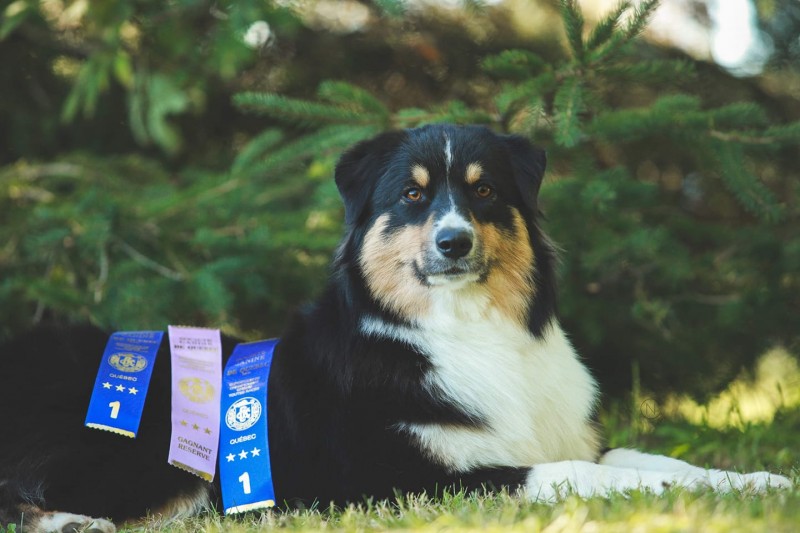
<point x="761" y="481"/>
<point x="549" y="482"/>
<point x="774" y="481"/>
<point x="724" y="481"/>
<point x="56" y="522"/>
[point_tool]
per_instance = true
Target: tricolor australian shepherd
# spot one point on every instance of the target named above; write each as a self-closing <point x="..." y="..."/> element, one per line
<point x="433" y="360"/>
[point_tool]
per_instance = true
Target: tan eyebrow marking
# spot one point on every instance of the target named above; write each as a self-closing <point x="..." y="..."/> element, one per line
<point x="420" y="175"/>
<point x="474" y="171"/>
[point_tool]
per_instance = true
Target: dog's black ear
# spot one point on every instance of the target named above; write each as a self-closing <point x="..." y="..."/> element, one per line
<point x="528" y="163"/>
<point x="359" y="168"/>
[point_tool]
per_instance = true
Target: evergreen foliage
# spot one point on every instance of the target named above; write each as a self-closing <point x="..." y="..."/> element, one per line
<point x="676" y="209"/>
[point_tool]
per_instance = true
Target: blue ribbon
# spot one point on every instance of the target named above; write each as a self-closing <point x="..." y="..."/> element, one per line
<point x="245" y="470"/>
<point x="121" y="386"/>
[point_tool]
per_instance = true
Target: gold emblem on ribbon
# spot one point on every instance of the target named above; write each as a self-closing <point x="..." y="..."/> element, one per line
<point x="197" y="390"/>
<point x="128" y="362"/>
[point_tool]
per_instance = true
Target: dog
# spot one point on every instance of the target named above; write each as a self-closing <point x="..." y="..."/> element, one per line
<point x="433" y="360"/>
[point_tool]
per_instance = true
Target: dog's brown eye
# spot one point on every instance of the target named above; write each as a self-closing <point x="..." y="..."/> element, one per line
<point x="413" y="194"/>
<point x="484" y="191"/>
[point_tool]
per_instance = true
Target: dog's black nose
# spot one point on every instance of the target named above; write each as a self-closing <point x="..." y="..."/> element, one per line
<point x="454" y="242"/>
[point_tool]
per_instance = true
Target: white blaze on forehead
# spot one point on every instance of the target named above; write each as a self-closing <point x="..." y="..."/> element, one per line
<point x="453" y="219"/>
<point x="448" y="154"/>
<point x="448" y="161"/>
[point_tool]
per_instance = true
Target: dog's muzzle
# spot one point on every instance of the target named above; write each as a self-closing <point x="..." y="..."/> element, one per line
<point x="454" y="257"/>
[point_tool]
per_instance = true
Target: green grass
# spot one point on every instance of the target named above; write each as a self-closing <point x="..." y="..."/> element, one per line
<point x="768" y="445"/>
<point x="675" y="511"/>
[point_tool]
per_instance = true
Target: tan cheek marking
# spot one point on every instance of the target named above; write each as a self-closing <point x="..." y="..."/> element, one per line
<point x="388" y="266"/>
<point x="510" y="282"/>
<point x="421" y="175"/>
<point x="474" y="171"/>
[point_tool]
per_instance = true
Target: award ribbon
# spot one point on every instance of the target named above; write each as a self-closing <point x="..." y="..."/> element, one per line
<point x="196" y="355"/>
<point x="245" y="470"/>
<point x="120" y="389"/>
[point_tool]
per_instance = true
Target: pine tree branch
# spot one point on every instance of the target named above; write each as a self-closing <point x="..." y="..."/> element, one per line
<point x="335" y="137"/>
<point x="748" y="189"/>
<point x="301" y="111"/>
<point x="567" y="106"/>
<point x="617" y="40"/>
<point x="513" y="64"/>
<point x="663" y="71"/>
<point x="41" y="307"/>
<point x="349" y="96"/>
<point x="709" y="299"/>
<point x="740" y="138"/>
<point x="786" y="132"/>
<point x="738" y="115"/>
<point x="456" y="112"/>
<point x="642" y="14"/>
<point x="145" y="261"/>
<point x="603" y="31"/>
<point x="255" y="148"/>
<point x="100" y="283"/>
<point x="573" y="24"/>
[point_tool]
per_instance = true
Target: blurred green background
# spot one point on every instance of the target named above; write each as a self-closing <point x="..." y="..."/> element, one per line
<point x="170" y="162"/>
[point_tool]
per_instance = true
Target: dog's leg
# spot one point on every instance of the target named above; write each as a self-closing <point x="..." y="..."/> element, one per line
<point x="26" y="510"/>
<point x="34" y="520"/>
<point x="549" y="482"/>
<point x="631" y="470"/>
<point x="719" y="480"/>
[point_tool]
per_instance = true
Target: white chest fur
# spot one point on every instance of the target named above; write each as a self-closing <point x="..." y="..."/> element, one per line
<point x="535" y="396"/>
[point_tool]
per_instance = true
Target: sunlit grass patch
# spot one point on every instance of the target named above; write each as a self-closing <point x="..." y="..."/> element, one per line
<point x="774" y="386"/>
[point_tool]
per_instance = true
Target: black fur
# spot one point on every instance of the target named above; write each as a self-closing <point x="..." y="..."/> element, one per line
<point x="335" y="395"/>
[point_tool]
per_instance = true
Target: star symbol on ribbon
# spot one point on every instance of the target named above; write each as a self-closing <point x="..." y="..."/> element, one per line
<point x="184" y="422"/>
<point x="255" y="452"/>
<point x="106" y="385"/>
<point x="243" y="454"/>
<point x="208" y="431"/>
<point x="132" y="390"/>
<point x="195" y="427"/>
<point x="120" y="388"/>
<point x="230" y="457"/>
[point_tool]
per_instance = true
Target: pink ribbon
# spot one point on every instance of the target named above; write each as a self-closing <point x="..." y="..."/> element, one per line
<point x="196" y="386"/>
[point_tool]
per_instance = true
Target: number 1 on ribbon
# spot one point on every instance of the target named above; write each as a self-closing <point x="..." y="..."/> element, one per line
<point x="245" y="480"/>
<point x="114" y="409"/>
